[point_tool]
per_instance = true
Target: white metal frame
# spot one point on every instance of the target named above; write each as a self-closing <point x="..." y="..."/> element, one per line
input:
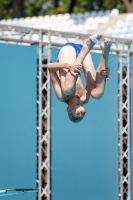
<point x="48" y="38"/>
<point x="124" y="126"/>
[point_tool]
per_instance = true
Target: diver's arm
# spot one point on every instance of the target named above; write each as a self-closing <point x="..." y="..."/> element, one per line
<point x="98" y="91"/>
<point x="54" y="67"/>
<point x="56" y="85"/>
<point x="73" y="67"/>
<point x="101" y="78"/>
<point x="68" y="81"/>
<point x="96" y="88"/>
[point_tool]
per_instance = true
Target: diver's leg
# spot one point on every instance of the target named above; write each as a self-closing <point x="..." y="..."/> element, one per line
<point x="89" y="72"/>
<point x="68" y="54"/>
<point x="105" y="47"/>
<point x="68" y="80"/>
<point x="85" y="57"/>
<point x="87" y="46"/>
<point x="95" y="77"/>
<point x="102" y="71"/>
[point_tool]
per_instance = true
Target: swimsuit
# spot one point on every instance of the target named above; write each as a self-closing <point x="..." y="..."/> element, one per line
<point x="77" y="47"/>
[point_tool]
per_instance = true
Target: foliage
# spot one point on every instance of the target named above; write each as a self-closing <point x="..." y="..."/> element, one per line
<point x="110" y="4"/>
<point x="49" y="7"/>
<point x="81" y="6"/>
<point x="6" y="9"/>
<point x="33" y="7"/>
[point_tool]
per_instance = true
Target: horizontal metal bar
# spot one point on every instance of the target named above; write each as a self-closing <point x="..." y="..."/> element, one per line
<point x="18" y="40"/>
<point x="61" y="33"/>
<point x="43" y="65"/>
<point x="19" y="28"/>
<point x="55" y="44"/>
<point x="124" y="62"/>
<point x="58" y="33"/>
<point x="44" y="54"/>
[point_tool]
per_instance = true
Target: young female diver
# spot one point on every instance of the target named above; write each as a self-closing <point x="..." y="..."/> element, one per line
<point x="65" y="75"/>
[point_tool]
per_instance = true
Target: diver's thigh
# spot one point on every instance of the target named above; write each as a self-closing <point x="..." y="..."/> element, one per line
<point x="67" y="54"/>
<point x="88" y="67"/>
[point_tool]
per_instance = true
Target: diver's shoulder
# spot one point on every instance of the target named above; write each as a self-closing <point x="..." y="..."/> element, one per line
<point x="85" y="97"/>
<point x="64" y="98"/>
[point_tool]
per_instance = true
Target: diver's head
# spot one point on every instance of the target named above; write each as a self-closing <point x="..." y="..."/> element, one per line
<point x="75" y="109"/>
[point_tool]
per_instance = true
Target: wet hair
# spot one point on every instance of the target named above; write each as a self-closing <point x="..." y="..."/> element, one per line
<point x="75" y="119"/>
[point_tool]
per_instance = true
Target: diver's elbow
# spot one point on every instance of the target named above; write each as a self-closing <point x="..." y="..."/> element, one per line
<point x="97" y="95"/>
<point x="49" y="66"/>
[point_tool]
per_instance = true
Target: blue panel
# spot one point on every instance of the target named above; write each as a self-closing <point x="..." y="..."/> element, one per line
<point x="18" y="119"/>
<point x="85" y="155"/>
<point x="132" y="127"/>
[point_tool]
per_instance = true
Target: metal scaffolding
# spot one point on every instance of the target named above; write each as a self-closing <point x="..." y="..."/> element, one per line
<point x="124" y="126"/>
<point x="47" y="38"/>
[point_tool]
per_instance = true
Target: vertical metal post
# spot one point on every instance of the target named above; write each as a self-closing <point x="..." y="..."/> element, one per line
<point x="39" y="117"/>
<point x="129" y="126"/>
<point x="48" y="125"/>
<point x="48" y="120"/>
<point x="124" y="127"/>
<point x="43" y="123"/>
<point x="120" y="129"/>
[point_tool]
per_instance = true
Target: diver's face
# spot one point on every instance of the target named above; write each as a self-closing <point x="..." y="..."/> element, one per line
<point x="76" y="106"/>
<point x="75" y="102"/>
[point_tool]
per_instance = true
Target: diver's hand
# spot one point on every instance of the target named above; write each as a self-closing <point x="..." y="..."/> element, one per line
<point x="75" y="68"/>
<point x="105" y="71"/>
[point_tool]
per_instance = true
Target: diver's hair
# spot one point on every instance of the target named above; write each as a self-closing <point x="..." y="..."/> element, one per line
<point x="75" y="119"/>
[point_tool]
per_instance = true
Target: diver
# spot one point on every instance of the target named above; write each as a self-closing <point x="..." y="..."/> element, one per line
<point x="66" y="79"/>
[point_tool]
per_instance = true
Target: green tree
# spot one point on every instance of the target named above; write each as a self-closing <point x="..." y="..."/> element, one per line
<point x="122" y="5"/>
<point x="33" y="7"/>
<point x="128" y="5"/>
<point x="23" y="8"/>
<point x="6" y="10"/>
<point x="18" y="8"/>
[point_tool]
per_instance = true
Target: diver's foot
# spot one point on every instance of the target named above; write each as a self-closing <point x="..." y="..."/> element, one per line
<point x="105" y="46"/>
<point x="91" y="41"/>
